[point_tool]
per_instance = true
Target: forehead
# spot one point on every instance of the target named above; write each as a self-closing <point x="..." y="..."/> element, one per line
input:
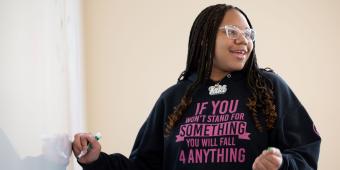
<point x="236" y="18"/>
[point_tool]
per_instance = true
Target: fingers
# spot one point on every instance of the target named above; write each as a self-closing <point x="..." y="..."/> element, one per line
<point x="81" y="143"/>
<point x="95" y="146"/>
<point x="258" y="165"/>
<point x="268" y="162"/>
<point x="92" y="140"/>
<point x="84" y="140"/>
<point x="76" y="145"/>
<point x="270" y="159"/>
<point x="274" y="150"/>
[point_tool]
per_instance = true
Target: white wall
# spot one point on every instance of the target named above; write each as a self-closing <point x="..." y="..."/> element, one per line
<point x="41" y="88"/>
<point x="136" y="49"/>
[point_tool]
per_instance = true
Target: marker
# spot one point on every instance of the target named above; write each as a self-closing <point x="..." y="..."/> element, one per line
<point x="274" y="150"/>
<point x="270" y="149"/>
<point x="89" y="146"/>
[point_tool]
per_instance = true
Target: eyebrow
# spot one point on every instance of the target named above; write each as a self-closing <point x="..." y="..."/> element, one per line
<point x="246" y="27"/>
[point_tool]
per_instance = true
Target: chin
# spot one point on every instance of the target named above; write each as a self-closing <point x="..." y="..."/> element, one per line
<point x="238" y="68"/>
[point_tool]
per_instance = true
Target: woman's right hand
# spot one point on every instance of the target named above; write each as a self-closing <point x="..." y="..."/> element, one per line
<point x="81" y="141"/>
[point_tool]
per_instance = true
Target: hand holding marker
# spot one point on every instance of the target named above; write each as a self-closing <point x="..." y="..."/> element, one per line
<point x="89" y="146"/>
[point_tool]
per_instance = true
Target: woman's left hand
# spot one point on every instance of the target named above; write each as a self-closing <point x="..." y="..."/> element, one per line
<point x="270" y="159"/>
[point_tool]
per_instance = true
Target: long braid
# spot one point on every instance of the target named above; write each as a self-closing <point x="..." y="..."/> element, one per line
<point x="200" y="60"/>
<point x="262" y="98"/>
<point x="201" y="44"/>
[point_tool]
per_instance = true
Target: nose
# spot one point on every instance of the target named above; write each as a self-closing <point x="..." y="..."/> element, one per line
<point x="241" y="39"/>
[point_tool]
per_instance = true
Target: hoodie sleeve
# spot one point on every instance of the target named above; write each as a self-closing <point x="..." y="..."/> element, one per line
<point x="295" y="133"/>
<point x="147" y="152"/>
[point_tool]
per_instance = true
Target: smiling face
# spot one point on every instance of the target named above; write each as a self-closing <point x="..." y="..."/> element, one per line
<point x="231" y="54"/>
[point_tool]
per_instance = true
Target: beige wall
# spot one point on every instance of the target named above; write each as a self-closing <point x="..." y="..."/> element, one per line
<point x="136" y="49"/>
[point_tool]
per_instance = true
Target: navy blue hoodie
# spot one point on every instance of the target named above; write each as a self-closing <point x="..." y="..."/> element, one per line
<point x="217" y="132"/>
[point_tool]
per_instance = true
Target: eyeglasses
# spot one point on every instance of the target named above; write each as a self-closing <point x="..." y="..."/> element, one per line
<point x="234" y="32"/>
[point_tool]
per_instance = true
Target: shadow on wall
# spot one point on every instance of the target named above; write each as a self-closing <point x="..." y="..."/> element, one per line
<point x="56" y="151"/>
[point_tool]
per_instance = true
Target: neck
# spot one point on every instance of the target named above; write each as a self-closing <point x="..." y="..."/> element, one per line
<point x="217" y="75"/>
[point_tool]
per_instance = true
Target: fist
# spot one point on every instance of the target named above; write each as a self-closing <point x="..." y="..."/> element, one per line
<point x="270" y="159"/>
<point x="81" y="143"/>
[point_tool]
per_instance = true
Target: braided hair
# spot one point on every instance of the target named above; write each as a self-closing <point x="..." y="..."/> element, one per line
<point x="200" y="60"/>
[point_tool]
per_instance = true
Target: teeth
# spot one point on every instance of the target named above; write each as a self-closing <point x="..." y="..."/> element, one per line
<point x="240" y="51"/>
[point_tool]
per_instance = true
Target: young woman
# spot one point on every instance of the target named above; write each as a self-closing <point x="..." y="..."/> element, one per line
<point x="224" y="112"/>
